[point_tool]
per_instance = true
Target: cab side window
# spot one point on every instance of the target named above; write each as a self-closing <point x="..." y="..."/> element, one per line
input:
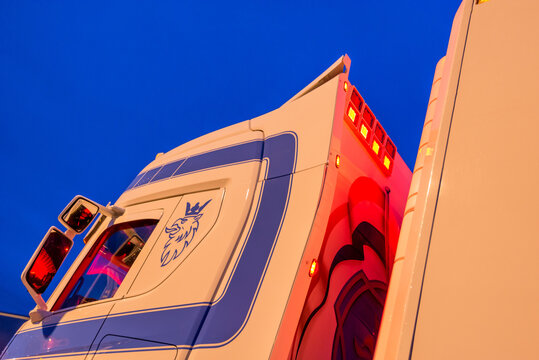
<point x="99" y="275"/>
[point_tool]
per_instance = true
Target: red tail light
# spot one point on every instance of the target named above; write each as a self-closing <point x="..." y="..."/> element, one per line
<point x="390" y="149"/>
<point x="368" y="117"/>
<point x="380" y="133"/>
<point x="356" y="100"/>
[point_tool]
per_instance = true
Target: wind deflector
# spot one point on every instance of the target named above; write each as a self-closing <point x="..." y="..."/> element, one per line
<point x="340" y="66"/>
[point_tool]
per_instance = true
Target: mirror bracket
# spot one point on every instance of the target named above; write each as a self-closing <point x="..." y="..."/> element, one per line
<point x="112" y="211"/>
<point x="70" y="233"/>
<point x="37" y="315"/>
<point x="41" y="304"/>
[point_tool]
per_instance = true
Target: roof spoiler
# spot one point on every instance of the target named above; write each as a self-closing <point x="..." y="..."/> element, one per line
<point x="340" y="66"/>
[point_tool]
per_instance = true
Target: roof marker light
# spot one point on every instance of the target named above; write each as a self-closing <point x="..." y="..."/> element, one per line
<point x="364" y="131"/>
<point x="376" y="147"/>
<point x="313" y="268"/>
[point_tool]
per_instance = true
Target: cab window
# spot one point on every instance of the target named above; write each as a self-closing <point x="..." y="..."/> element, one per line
<point x="102" y="271"/>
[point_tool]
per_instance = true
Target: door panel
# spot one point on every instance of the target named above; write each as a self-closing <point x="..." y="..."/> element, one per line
<point x="171" y="295"/>
<point x="192" y="219"/>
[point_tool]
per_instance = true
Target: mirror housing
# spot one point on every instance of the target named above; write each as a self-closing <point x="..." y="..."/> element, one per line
<point x="80" y="212"/>
<point x="44" y="264"/>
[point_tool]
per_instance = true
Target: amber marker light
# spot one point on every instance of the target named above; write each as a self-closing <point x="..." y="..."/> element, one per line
<point x="481" y="1"/>
<point x="364" y="131"/>
<point x="345" y="86"/>
<point x="352" y="114"/>
<point x="337" y="161"/>
<point x="375" y="147"/>
<point x="387" y="162"/>
<point x="313" y="268"/>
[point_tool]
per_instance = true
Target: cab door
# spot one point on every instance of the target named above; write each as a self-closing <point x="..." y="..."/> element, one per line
<point x="190" y="264"/>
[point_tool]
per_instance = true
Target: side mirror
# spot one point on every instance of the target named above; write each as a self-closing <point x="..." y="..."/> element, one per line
<point x="44" y="264"/>
<point x="80" y="212"/>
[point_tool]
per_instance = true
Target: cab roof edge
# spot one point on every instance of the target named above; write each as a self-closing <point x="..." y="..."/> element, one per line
<point x="342" y="65"/>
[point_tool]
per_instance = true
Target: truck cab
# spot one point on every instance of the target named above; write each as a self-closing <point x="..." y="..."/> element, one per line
<point x="271" y="238"/>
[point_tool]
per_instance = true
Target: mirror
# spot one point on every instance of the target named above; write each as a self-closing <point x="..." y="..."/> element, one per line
<point x="46" y="260"/>
<point x="79" y="214"/>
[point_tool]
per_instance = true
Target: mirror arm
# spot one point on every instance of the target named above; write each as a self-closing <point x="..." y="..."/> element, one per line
<point x="70" y="233"/>
<point x="40" y="311"/>
<point x="112" y="211"/>
<point x="41" y="305"/>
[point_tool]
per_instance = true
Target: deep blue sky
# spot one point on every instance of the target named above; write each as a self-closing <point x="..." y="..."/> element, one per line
<point x="90" y="92"/>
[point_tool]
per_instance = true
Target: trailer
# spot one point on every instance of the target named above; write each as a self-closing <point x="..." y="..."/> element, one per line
<point x="464" y="282"/>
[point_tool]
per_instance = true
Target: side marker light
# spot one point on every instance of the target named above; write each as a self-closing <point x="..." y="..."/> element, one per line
<point x="364" y="131"/>
<point x="345" y="86"/>
<point x="481" y="1"/>
<point x="338" y="161"/>
<point x="313" y="268"/>
<point x="376" y="147"/>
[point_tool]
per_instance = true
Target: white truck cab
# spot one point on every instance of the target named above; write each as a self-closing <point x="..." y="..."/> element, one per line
<point x="225" y="246"/>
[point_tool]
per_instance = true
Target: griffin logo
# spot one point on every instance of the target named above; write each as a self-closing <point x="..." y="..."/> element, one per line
<point x="182" y="232"/>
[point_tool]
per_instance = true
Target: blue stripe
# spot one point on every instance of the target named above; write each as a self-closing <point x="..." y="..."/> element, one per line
<point x="202" y="325"/>
<point x="227" y="156"/>
<point x="227" y="317"/>
<point x="222" y="157"/>
<point x="148" y="176"/>
<point x="168" y="170"/>
<point x="135" y="181"/>
<point x="109" y="345"/>
<point x="54" y="338"/>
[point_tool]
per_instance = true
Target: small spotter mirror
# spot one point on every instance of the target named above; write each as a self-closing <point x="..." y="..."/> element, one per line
<point x="45" y="263"/>
<point x="78" y="214"/>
